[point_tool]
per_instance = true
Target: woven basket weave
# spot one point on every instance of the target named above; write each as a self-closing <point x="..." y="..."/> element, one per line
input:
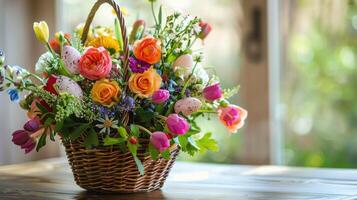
<point x="106" y="168"/>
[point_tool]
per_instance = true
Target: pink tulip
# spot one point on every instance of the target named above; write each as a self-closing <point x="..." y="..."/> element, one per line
<point x="160" y="141"/>
<point x="212" y="92"/>
<point x="206" y="29"/>
<point x="177" y="125"/>
<point x="32" y="125"/>
<point x="160" y="96"/>
<point x="22" y="138"/>
<point x="232" y="117"/>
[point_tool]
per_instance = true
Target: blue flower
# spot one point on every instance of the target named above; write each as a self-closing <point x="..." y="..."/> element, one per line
<point x="14" y="95"/>
<point x="127" y="104"/>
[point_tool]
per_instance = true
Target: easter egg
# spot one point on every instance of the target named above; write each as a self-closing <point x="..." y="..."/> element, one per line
<point x="187" y="106"/>
<point x="183" y="61"/>
<point x="70" y="57"/>
<point x="65" y="84"/>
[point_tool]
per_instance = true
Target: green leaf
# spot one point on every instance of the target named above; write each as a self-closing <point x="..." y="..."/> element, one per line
<point x="160" y="108"/>
<point x="78" y="131"/>
<point x="52" y="135"/>
<point x="132" y="148"/>
<point x="42" y="108"/>
<point x="118" y="34"/>
<point x="193" y="142"/>
<point x="59" y="126"/>
<point x="134" y="130"/>
<point x="122" y="132"/>
<point x="166" y="154"/>
<point x="153" y="152"/>
<point x="41" y="142"/>
<point x="48" y="122"/>
<point x="207" y="143"/>
<point x="91" y="140"/>
<point x="182" y="141"/>
<point x="160" y="17"/>
<point x="108" y="141"/>
<point x="139" y="165"/>
<point x="144" y="115"/>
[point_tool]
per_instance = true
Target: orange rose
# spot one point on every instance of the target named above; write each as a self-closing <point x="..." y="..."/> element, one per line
<point x="145" y="84"/>
<point x="106" y="92"/>
<point x="148" y="49"/>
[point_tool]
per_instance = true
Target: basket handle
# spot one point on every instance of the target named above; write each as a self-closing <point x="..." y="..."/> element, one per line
<point x="119" y="14"/>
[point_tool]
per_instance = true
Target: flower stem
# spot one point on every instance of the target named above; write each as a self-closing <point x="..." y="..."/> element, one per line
<point x="188" y="80"/>
<point x="143" y="129"/>
<point x="153" y="13"/>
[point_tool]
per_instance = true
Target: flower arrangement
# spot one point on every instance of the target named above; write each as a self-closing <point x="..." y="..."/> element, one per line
<point x="80" y="89"/>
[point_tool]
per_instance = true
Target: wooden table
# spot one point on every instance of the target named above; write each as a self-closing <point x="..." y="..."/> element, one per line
<point x="52" y="179"/>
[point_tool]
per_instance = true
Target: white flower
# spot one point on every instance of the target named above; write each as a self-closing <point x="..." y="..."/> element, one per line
<point x="201" y="74"/>
<point x="43" y="62"/>
<point x="172" y="36"/>
<point x="107" y="124"/>
<point x="197" y="29"/>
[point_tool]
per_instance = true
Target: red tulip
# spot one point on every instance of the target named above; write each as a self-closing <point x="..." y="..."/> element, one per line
<point x="206" y="29"/>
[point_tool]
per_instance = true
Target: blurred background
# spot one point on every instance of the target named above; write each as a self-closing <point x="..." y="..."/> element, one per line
<point x="295" y="61"/>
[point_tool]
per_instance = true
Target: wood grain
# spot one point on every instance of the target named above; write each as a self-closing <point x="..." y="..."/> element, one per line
<point x="52" y="180"/>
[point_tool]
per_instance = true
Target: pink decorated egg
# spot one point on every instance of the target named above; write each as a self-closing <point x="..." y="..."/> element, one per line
<point x="70" y="57"/>
<point x="65" y="84"/>
<point x="188" y="105"/>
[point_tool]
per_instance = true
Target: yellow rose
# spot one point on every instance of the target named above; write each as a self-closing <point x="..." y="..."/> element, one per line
<point x="41" y="31"/>
<point x="106" y="92"/>
<point x="145" y="84"/>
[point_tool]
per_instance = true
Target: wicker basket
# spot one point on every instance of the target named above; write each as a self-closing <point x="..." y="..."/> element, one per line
<point x="107" y="169"/>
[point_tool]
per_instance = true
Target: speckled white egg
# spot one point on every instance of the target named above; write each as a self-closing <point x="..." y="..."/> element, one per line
<point x="70" y="57"/>
<point x="184" y="61"/>
<point x="188" y="105"/>
<point x="65" y="84"/>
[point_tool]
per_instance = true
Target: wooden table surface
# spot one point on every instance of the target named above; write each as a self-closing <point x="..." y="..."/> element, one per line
<point x="52" y="180"/>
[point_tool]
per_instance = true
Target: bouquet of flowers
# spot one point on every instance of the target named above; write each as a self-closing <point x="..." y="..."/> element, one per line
<point x="111" y="89"/>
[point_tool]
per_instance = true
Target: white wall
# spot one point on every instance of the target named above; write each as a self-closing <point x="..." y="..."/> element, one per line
<point x="21" y="48"/>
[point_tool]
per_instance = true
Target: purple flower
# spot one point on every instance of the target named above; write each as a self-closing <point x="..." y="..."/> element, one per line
<point x="177" y="125"/>
<point x="32" y="125"/>
<point x="160" y="96"/>
<point x="138" y="66"/>
<point x="22" y="138"/>
<point x="127" y="104"/>
<point x="212" y="92"/>
<point x="160" y="141"/>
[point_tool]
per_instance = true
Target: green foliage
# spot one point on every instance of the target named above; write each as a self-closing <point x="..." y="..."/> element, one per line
<point x="154" y="153"/>
<point x="207" y="143"/>
<point x="41" y="142"/>
<point x="91" y="140"/>
<point x="230" y="92"/>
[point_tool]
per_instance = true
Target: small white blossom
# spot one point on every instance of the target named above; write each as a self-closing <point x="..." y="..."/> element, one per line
<point x="197" y="29"/>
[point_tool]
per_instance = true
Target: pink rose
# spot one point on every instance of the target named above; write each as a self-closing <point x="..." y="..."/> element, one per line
<point x="160" y="141"/>
<point x="232" y="117"/>
<point x="212" y="92"/>
<point x="95" y="63"/>
<point x="177" y="125"/>
<point x="160" y="96"/>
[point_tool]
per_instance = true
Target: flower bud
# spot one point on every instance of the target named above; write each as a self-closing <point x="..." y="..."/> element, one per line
<point x="32" y="125"/>
<point x="177" y="125"/>
<point x="20" y="137"/>
<point x="138" y="31"/>
<point x="212" y="92"/>
<point x="160" y="96"/>
<point x="206" y="29"/>
<point x="41" y="31"/>
<point x="133" y="140"/>
<point x="160" y="141"/>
